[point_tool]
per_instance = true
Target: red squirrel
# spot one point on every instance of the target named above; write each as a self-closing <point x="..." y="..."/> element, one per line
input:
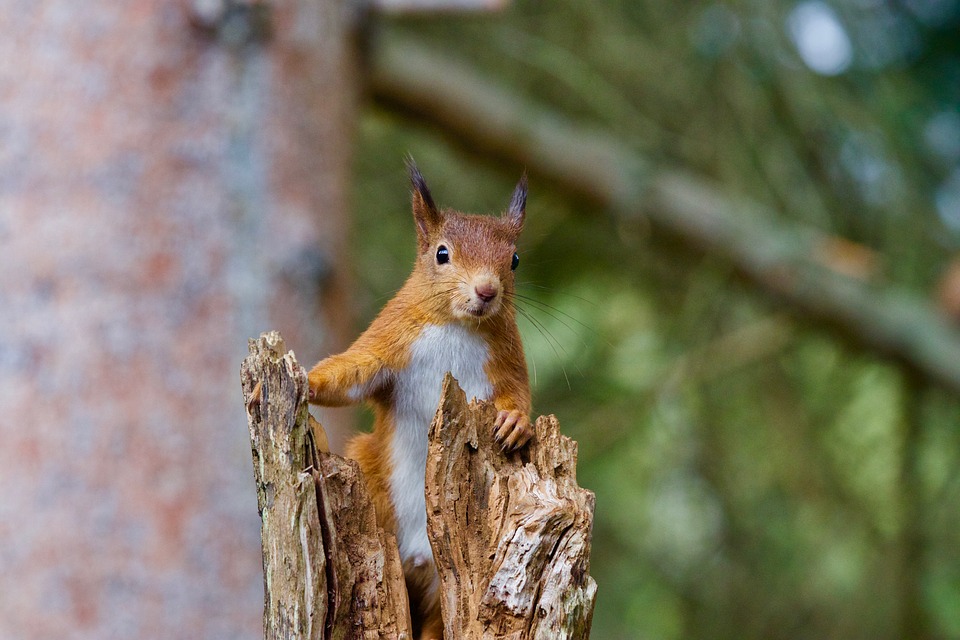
<point x="454" y="313"/>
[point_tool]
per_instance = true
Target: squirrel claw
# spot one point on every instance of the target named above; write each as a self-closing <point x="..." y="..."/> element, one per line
<point x="512" y="430"/>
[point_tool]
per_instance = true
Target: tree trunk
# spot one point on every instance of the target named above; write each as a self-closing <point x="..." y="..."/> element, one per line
<point x="512" y="551"/>
<point x="173" y="174"/>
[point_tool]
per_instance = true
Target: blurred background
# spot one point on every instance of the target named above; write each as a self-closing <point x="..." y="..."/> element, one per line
<point x="739" y="288"/>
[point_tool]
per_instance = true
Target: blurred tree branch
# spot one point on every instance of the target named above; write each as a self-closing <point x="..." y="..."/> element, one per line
<point x="779" y="259"/>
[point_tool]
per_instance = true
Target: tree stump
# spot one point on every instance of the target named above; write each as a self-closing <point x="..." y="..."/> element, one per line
<point x="328" y="570"/>
<point x="510" y="532"/>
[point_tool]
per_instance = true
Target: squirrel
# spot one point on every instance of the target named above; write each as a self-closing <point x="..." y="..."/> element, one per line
<point x="454" y="313"/>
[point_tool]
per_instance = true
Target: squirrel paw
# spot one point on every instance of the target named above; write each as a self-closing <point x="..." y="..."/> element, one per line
<point x="512" y="429"/>
<point x="314" y="386"/>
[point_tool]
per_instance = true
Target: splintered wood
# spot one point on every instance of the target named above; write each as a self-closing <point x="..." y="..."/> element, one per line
<point x="328" y="570"/>
<point x="510" y="533"/>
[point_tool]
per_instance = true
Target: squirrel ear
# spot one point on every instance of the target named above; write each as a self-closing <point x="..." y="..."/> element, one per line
<point x="424" y="210"/>
<point x="518" y="204"/>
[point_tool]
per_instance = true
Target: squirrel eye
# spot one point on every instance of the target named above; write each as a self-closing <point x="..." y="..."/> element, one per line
<point x="516" y="261"/>
<point x="443" y="255"/>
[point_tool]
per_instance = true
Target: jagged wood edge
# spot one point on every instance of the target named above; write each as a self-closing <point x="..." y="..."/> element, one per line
<point x="510" y="533"/>
<point x="329" y="571"/>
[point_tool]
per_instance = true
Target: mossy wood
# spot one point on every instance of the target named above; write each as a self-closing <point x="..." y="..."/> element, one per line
<point x="510" y="533"/>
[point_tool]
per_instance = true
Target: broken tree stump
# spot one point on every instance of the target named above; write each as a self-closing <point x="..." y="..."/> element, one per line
<point x="328" y="570"/>
<point x="510" y="532"/>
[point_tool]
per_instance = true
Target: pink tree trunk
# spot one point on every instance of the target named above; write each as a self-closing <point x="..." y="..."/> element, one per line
<point x="162" y="165"/>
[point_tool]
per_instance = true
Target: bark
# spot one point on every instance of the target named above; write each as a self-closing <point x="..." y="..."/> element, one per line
<point x="513" y="551"/>
<point x="329" y="571"/>
<point x="171" y="178"/>
<point x="510" y="533"/>
<point x="371" y="597"/>
<point x="780" y="259"/>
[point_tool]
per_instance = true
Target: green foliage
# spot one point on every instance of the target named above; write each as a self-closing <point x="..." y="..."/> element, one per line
<point x="755" y="478"/>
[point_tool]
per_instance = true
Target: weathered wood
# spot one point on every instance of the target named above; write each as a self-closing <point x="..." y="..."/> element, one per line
<point x="368" y="594"/>
<point x="510" y="533"/>
<point x="294" y="566"/>
<point x="329" y="571"/>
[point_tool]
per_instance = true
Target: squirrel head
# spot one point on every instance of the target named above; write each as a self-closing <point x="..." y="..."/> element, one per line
<point x="467" y="261"/>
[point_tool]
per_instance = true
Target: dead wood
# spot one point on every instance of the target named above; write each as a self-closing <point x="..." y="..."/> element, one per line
<point x="329" y="571"/>
<point x="510" y="533"/>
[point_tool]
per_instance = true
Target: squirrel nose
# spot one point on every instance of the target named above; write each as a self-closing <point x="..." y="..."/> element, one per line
<point x="487" y="291"/>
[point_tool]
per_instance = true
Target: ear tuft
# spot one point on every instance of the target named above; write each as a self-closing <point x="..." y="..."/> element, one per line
<point x="424" y="210"/>
<point x="516" y="212"/>
<point x="419" y="184"/>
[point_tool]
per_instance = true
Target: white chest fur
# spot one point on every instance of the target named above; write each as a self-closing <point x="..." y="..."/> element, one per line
<point x="438" y="349"/>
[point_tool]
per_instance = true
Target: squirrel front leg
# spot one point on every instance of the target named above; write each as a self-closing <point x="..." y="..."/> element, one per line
<point x="511" y="396"/>
<point x="339" y="380"/>
<point x="345" y="378"/>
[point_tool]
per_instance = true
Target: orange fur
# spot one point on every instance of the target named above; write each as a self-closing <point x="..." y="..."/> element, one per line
<point x="481" y="249"/>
